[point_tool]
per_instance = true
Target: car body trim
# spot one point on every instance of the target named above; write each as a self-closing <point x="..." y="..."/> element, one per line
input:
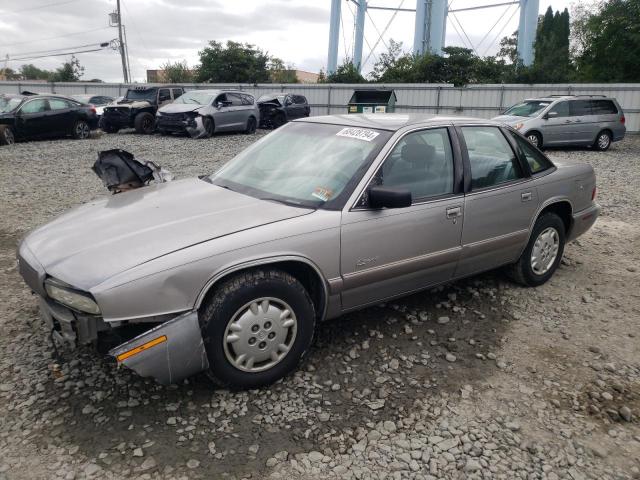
<point x="494" y="243"/>
<point x="401" y="267"/>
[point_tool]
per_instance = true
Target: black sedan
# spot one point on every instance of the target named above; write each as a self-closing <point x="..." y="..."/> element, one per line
<point x="44" y="116"/>
<point x="276" y="109"/>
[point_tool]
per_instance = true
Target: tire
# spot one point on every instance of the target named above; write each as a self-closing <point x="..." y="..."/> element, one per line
<point x="603" y="141"/>
<point x="278" y="121"/>
<point x="547" y="239"/>
<point x="7" y="136"/>
<point x="81" y="130"/>
<point x="144" y="123"/>
<point x="251" y="126"/>
<point x="108" y="128"/>
<point x="535" y="139"/>
<point x="232" y="310"/>
<point x="209" y="127"/>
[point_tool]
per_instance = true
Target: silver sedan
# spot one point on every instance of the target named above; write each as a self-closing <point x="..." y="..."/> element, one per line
<point x="230" y="272"/>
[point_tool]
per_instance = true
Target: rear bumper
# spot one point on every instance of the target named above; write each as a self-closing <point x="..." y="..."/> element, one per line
<point x="584" y="220"/>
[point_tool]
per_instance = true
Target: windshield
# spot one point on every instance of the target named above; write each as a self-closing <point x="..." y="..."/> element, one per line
<point x="145" y="94"/>
<point x="530" y="108"/>
<point x="198" y="98"/>
<point x="305" y="164"/>
<point x="8" y="104"/>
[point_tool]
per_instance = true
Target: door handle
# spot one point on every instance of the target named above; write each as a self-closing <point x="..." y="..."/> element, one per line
<point x="453" y="212"/>
<point x="568" y="121"/>
<point x="526" y="196"/>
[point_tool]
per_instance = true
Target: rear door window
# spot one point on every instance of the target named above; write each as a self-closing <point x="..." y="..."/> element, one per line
<point x="536" y="160"/>
<point x="299" y="99"/>
<point x="164" y="95"/>
<point x="235" y="99"/>
<point x="58" y="104"/>
<point x="492" y="159"/>
<point x="177" y="92"/>
<point x="247" y="99"/>
<point x="603" y="107"/>
<point x="580" y="108"/>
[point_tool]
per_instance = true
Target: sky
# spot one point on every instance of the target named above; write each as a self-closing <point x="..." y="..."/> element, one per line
<point x="296" y="31"/>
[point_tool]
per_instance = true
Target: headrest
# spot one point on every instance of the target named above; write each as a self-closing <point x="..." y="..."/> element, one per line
<point x="415" y="153"/>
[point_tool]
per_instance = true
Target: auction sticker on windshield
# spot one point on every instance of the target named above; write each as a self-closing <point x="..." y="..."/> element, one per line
<point x="359" y="133"/>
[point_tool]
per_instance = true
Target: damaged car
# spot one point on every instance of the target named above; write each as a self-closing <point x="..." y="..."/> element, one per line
<point x="229" y="273"/>
<point x="201" y="113"/>
<point x="276" y="109"/>
<point x="138" y="108"/>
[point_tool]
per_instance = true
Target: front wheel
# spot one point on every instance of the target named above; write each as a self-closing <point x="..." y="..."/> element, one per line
<point x="542" y="254"/>
<point x="535" y="139"/>
<point x="603" y="141"/>
<point x="256" y="327"/>
<point x="6" y="135"/>
<point x="81" y="130"/>
<point x="144" y="123"/>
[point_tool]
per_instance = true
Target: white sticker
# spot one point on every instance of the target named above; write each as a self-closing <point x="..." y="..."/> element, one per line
<point x="367" y="109"/>
<point x="359" y="133"/>
<point x="381" y="109"/>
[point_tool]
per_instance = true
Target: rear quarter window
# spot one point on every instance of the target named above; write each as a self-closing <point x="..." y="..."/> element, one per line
<point x="603" y="107"/>
<point x="536" y="160"/>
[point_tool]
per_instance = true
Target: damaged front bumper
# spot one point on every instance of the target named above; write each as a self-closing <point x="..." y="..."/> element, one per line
<point x="181" y="123"/>
<point x="169" y="352"/>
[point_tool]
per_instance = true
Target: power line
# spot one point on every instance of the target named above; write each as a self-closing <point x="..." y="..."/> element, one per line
<point x="494" y="26"/>
<point x="54" y="55"/>
<point x="383" y="32"/>
<point x="501" y="30"/>
<point x="465" y="33"/>
<point x="52" y="38"/>
<point x="53" y="50"/>
<point x="39" y="7"/>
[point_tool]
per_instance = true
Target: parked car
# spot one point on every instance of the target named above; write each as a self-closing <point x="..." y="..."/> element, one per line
<point x="138" y="108"/>
<point x="230" y="272"/>
<point x="276" y="109"/>
<point x="98" y="101"/>
<point x="582" y="120"/>
<point x="201" y="113"/>
<point x="27" y="116"/>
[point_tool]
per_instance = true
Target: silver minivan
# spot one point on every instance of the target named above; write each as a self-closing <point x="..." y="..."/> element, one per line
<point x="563" y="120"/>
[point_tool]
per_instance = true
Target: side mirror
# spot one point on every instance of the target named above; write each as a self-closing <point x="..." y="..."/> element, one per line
<point x="219" y="105"/>
<point x="384" y="197"/>
<point x="287" y="103"/>
<point x="549" y="115"/>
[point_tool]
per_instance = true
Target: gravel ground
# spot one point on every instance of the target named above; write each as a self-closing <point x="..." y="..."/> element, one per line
<point x="479" y="379"/>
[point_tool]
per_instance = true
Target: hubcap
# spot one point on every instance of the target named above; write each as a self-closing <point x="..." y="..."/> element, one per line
<point x="533" y="139"/>
<point x="146" y="124"/>
<point x="603" y="140"/>
<point x="82" y="130"/>
<point x="545" y="250"/>
<point x="260" y="334"/>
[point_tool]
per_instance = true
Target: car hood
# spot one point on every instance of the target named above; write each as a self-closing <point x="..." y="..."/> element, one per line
<point x="180" y="108"/>
<point x="91" y="243"/>
<point x="511" y="119"/>
<point x="130" y="104"/>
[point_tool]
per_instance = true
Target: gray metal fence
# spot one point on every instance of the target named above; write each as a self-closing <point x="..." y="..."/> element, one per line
<point x="473" y="100"/>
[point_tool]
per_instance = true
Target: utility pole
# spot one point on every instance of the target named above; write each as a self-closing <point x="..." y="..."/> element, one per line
<point x="116" y="21"/>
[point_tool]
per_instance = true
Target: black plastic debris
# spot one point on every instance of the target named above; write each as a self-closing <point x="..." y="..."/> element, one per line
<point x="120" y="171"/>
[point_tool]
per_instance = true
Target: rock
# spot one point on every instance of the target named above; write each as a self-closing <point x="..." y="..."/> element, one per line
<point x="625" y="412"/>
<point x="324" y="416"/>
<point x="472" y="466"/>
<point x="172" y="421"/>
<point x="148" y="464"/>
<point x="394" y="364"/>
<point x="91" y="469"/>
<point x="513" y="426"/>
<point x="193" y="464"/>
<point x="606" y="396"/>
<point x="450" y="357"/>
<point x="253" y="449"/>
<point x="443" y="320"/>
<point x="138" y="452"/>
<point x="315" y="456"/>
<point x="389" y="426"/>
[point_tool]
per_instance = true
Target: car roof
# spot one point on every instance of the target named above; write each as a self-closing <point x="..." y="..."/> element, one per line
<point x="394" y="121"/>
<point x="553" y="98"/>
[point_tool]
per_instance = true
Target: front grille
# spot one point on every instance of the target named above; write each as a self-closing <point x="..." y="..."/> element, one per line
<point x="173" y="117"/>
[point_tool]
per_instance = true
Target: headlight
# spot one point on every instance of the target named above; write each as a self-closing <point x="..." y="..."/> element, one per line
<point x="70" y="297"/>
<point x="518" y="126"/>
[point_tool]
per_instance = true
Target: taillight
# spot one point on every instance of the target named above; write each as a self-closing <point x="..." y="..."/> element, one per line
<point x="92" y="108"/>
<point x="622" y="119"/>
<point x="594" y="192"/>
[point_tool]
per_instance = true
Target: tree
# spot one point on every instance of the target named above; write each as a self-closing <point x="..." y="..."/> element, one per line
<point x="608" y="42"/>
<point x="509" y="48"/>
<point x="387" y="61"/>
<point x="281" y="73"/>
<point x="552" y="62"/>
<point x="233" y="63"/>
<point x="70" y="71"/>
<point x="9" y="74"/>
<point x="31" y="72"/>
<point x="346" y="73"/>
<point x="177" y="72"/>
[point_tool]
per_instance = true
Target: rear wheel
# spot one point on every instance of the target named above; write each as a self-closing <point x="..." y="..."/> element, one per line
<point x="542" y="254"/>
<point x="6" y="135"/>
<point x="256" y="326"/>
<point x="144" y="123"/>
<point x="535" y="139"/>
<point x="251" y="125"/>
<point x="603" y="141"/>
<point x="81" y="130"/>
